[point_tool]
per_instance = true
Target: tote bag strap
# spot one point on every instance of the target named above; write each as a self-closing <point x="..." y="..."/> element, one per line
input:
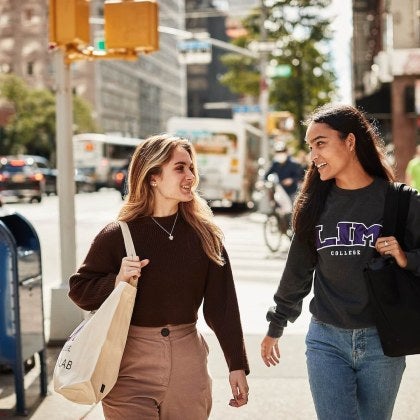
<point x="129" y="245"/>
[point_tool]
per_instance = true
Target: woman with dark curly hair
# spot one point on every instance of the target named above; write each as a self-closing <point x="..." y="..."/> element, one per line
<point x="337" y="221"/>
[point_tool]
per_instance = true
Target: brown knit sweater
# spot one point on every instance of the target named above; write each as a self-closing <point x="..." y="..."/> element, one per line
<point x="171" y="287"/>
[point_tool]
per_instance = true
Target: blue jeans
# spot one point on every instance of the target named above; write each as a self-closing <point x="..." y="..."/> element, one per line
<point x="349" y="375"/>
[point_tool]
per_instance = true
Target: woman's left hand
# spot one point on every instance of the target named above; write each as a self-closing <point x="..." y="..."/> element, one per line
<point x="240" y="389"/>
<point x="388" y="245"/>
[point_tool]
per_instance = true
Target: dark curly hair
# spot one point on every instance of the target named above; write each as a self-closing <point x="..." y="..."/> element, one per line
<point x="370" y="151"/>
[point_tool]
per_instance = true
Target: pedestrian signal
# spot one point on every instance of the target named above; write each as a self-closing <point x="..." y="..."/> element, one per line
<point x="131" y="25"/>
<point x="69" y="22"/>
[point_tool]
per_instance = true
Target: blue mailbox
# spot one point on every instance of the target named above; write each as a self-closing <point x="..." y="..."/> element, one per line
<point x="21" y="307"/>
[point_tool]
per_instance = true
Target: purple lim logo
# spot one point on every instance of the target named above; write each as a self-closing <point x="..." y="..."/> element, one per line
<point x="349" y="234"/>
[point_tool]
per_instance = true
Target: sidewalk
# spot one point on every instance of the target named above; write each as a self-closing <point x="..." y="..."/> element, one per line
<point x="280" y="392"/>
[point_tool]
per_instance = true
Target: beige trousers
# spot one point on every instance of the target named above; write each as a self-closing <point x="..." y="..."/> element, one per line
<point x="163" y="375"/>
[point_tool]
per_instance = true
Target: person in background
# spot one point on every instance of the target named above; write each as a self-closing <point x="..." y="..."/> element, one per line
<point x="288" y="171"/>
<point x="412" y="173"/>
<point x="181" y="264"/>
<point x="337" y="220"/>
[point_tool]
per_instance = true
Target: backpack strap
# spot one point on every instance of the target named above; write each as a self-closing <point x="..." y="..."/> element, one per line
<point x="397" y="203"/>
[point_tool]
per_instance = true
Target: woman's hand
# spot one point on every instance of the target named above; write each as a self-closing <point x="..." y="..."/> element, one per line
<point x="388" y="245"/>
<point x="270" y="352"/>
<point x="130" y="268"/>
<point x="240" y="389"/>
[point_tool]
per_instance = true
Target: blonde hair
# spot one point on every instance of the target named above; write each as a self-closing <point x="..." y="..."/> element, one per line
<point x="147" y="161"/>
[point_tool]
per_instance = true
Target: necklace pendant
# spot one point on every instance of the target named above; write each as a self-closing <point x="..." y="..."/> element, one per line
<point x="170" y="237"/>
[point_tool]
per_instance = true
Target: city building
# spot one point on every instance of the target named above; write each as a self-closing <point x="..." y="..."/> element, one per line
<point x="131" y="98"/>
<point x="136" y="99"/>
<point x="24" y="41"/>
<point x="206" y="96"/>
<point x="386" y="70"/>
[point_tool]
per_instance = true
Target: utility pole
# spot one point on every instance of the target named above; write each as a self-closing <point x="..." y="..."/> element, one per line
<point x="264" y="88"/>
<point x="61" y="307"/>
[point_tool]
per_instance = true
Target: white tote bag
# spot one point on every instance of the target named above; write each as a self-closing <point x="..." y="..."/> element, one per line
<point x="88" y="365"/>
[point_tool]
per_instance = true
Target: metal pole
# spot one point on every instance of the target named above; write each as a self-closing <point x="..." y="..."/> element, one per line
<point x="216" y="42"/>
<point x="264" y="90"/>
<point x="64" y="314"/>
<point x="65" y="181"/>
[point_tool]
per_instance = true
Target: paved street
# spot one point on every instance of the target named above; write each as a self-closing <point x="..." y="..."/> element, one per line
<point x="275" y="393"/>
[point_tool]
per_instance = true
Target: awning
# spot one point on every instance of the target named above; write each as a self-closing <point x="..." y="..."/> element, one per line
<point x="378" y="104"/>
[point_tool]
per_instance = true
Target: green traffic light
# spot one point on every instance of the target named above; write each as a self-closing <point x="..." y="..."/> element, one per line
<point x="100" y="45"/>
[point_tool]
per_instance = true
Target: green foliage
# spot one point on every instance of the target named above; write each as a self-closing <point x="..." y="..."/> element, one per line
<point x="301" y="35"/>
<point x="82" y="114"/>
<point x="31" y="130"/>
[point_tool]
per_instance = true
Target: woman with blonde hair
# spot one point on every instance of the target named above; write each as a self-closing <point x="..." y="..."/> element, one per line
<point x="181" y="263"/>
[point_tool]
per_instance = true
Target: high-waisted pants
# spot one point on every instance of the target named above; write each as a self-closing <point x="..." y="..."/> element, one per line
<point x="163" y="375"/>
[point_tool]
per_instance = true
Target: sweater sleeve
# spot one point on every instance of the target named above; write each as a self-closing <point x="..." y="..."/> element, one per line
<point x="221" y="313"/>
<point x="295" y="284"/>
<point x="412" y="234"/>
<point x="95" y="279"/>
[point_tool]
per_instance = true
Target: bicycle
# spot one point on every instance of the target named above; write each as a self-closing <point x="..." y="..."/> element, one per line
<point x="277" y="205"/>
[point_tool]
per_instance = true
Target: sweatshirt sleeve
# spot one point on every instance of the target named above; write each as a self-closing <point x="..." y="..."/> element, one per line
<point x="295" y="284"/>
<point x="95" y="279"/>
<point x="412" y="234"/>
<point x="221" y="313"/>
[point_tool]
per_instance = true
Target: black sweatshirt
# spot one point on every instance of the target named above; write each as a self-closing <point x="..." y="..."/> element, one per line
<point x="345" y="238"/>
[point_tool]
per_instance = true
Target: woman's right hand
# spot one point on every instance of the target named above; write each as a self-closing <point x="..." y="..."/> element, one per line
<point x="130" y="267"/>
<point x="270" y="352"/>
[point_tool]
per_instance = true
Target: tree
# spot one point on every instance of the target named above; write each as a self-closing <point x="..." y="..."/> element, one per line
<point x="82" y="115"/>
<point x="31" y="130"/>
<point x="301" y="35"/>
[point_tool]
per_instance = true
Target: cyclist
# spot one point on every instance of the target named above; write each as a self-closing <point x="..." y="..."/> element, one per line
<point x="289" y="172"/>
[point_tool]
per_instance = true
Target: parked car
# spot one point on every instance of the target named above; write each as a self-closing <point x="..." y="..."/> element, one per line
<point x="85" y="181"/>
<point x="45" y="168"/>
<point x="21" y="178"/>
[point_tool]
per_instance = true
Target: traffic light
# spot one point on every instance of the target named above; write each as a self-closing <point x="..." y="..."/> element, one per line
<point x="280" y="121"/>
<point x="131" y="25"/>
<point x="69" y="22"/>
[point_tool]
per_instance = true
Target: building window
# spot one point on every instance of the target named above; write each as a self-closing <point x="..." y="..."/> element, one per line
<point x="4" y="18"/>
<point x="5" y="68"/>
<point x="29" y="16"/>
<point x="30" y="68"/>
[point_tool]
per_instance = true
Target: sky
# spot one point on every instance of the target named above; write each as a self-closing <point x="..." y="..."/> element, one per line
<point x="341" y="46"/>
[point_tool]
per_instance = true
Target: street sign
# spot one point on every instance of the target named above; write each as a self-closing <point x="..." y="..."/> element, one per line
<point x="194" y="51"/>
<point x="245" y="108"/>
<point x="281" y="70"/>
<point x="262" y="46"/>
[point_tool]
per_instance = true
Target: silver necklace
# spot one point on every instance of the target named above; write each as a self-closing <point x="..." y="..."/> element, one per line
<point x="171" y="237"/>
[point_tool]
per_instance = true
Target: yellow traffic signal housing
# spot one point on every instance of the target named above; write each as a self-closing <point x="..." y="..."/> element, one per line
<point x="280" y="121"/>
<point x="69" y="22"/>
<point x="131" y="25"/>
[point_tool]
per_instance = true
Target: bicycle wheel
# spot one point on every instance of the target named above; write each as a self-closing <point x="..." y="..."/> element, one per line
<point x="272" y="232"/>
